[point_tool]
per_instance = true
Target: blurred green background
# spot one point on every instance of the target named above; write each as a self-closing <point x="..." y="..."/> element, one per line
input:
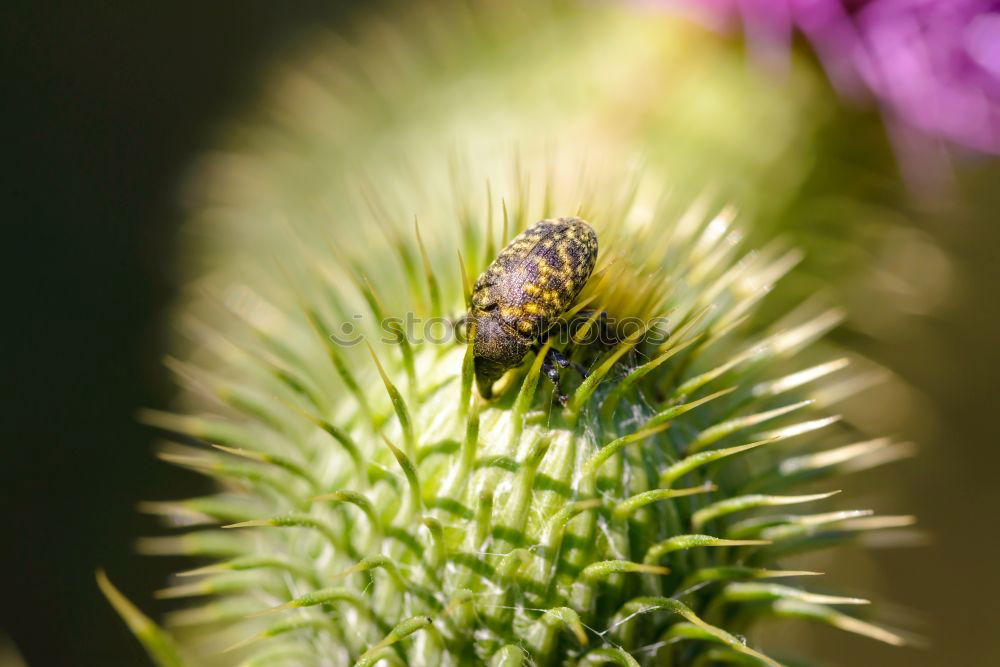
<point x="108" y="103"/>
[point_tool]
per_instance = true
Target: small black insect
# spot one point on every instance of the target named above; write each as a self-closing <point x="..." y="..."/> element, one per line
<point x="523" y="292"/>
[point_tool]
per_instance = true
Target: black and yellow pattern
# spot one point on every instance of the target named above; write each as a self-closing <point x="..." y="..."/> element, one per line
<point x="535" y="279"/>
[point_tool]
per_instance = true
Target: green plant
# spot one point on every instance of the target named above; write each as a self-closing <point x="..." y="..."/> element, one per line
<point x="372" y="507"/>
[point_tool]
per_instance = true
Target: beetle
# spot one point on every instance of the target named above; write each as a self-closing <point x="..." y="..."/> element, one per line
<point x="533" y="281"/>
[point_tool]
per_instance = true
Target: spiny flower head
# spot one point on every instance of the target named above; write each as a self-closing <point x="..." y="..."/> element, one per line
<point x="374" y="508"/>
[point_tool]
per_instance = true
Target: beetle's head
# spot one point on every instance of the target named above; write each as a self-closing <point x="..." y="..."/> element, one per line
<point x="496" y="349"/>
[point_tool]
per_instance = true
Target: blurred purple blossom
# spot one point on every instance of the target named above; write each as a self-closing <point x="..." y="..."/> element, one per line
<point x="933" y="65"/>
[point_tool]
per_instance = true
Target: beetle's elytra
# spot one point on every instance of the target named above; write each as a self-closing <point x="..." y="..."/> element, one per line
<point x="528" y="286"/>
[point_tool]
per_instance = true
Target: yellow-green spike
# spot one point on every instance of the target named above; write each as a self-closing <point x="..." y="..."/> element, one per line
<point x="398" y="405"/>
<point x="160" y="646"/>
<point x="683" y="542"/>
<point x="362" y="503"/>
<point x="726" y="506"/>
<point x="626" y="507"/>
<point x="410" y="472"/>
<point x="433" y="290"/>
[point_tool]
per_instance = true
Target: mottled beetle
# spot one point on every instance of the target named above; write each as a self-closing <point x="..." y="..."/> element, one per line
<point x="523" y="292"/>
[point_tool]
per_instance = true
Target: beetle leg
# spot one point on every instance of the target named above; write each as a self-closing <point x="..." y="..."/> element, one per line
<point x="558" y="357"/>
<point x="552" y="373"/>
<point x="550" y="367"/>
<point x="561" y="359"/>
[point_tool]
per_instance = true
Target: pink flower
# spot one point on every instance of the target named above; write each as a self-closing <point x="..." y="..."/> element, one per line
<point x="933" y="65"/>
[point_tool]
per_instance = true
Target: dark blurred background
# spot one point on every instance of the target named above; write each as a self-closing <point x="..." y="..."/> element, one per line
<point x="105" y="104"/>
